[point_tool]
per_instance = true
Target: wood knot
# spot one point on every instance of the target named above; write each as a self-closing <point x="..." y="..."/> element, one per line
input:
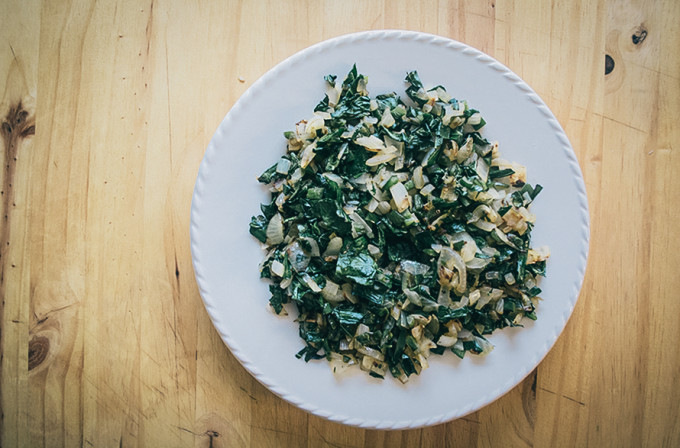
<point x="212" y="435"/>
<point x="17" y="121"/>
<point x="639" y="35"/>
<point x="38" y="349"/>
<point x="608" y="64"/>
<point x="18" y="124"/>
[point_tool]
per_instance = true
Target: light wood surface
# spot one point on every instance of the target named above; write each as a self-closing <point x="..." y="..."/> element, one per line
<point x="106" y="109"/>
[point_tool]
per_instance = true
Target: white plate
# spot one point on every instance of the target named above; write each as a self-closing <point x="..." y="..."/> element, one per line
<point x="227" y="194"/>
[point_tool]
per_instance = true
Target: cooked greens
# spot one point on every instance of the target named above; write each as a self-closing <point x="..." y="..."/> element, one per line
<point x="397" y="230"/>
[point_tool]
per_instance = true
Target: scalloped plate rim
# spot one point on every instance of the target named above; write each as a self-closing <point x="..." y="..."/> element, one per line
<point x="195" y="235"/>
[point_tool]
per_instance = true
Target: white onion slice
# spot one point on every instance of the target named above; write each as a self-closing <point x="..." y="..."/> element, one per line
<point x="413" y="267"/>
<point x="333" y="248"/>
<point x="298" y="259"/>
<point x="387" y="120"/>
<point x="313" y="245"/>
<point x="380" y="159"/>
<point x="449" y="259"/>
<point x="371" y="143"/>
<point x="476" y="265"/>
<point x="400" y="196"/>
<point x="332" y="292"/>
<point x="274" y="230"/>
<point x="373" y="353"/>
<point x="277" y="268"/>
<point x="309" y="281"/>
<point x="465" y="151"/>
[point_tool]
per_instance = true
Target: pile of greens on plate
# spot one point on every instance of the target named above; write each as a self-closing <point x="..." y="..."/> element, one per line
<point x="397" y="230"/>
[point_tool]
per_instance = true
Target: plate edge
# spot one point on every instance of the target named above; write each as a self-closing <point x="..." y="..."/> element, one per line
<point x="289" y="63"/>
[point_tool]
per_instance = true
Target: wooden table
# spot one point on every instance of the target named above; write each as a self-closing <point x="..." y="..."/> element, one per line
<point x="106" y="110"/>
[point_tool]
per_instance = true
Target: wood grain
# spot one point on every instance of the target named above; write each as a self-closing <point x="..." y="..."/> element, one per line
<point x="106" y="109"/>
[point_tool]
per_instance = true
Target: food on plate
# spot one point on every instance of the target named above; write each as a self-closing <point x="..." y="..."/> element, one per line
<point x="397" y="230"/>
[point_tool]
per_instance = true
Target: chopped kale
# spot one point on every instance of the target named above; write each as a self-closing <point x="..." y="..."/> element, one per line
<point x="396" y="231"/>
